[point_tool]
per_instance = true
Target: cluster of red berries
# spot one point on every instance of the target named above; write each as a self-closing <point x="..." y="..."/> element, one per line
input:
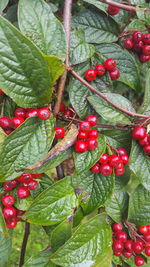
<point x="20" y="115"/>
<point x="23" y="184"/>
<point x="87" y="137"/>
<point x="107" y="163"/>
<point x="112" y="10"/>
<point x="100" y="69"/>
<point x="139" y="133"/>
<point x="66" y="111"/>
<point x="123" y="245"/>
<point x="140" y="44"/>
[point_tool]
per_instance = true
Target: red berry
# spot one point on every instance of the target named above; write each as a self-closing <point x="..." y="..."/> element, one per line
<point x="124" y="159"/>
<point x="138" y="260"/>
<point x="146" y="149"/>
<point x="80" y="146"/>
<point x="137" y="36"/>
<point x="44" y="113"/>
<point x="110" y="64"/>
<point x="146" y="38"/>
<point x="14" y="183"/>
<point x="92" y="120"/>
<point x="68" y="113"/>
<point x="127" y="254"/>
<point x="1" y="92"/>
<point x="20" y="213"/>
<point x="95" y="168"/>
<point x="120" y="171"/>
<point x="148" y="228"/>
<point x="137" y="247"/>
<point x="83" y="135"/>
<point x="11" y="223"/>
<point x="147" y="251"/>
<point x="23" y="192"/>
<point x="90" y="75"/>
<point x="114" y="74"/>
<point x="9" y="212"/>
<point x="122" y="236"/>
<point x="104" y="158"/>
<point x="128" y="245"/>
<point x="112" y="10"/>
<point x="59" y="132"/>
<point x="106" y="169"/>
<point x="147" y="237"/>
<point x="114" y="160"/>
<point x="5" y="122"/>
<point x="118" y="245"/>
<point x="16" y="122"/>
<point x="33" y="185"/>
<point x="144" y="141"/>
<point x="117" y="253"/>
<point x="122" y="151"/>
<point x="93" y="133"/>
<point x="100" y="69"/>
<point x="117" y="227"/>
<point x="8" y="186"/>
<point x="36" y="175"/>
<point x="91" y="143"/>
<point x="146" y="50"/>
<point x="138" y="47"/>
<point x="144" y="58"/>
<point x="84" y="126"/>
<point x="128" y="43"/>
<point x="138" y="133"/>
<point x="8" y="200"/>
<point x="62" y="107"/>
<point x="26" y="178"/>
<point x="8" y="131"/>
<point x="139" y="240"/>
<point x="20" y="112"/>
<point x="32" y="112"/>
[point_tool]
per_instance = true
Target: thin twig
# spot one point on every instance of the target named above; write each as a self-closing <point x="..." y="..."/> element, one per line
<point x="119" y="5"/>
<point x="103" y="96"/>
<point x="67" y="27"/>
<point x="24" y="243"/>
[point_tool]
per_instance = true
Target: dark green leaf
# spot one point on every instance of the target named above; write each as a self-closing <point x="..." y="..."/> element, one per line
<point x="88" y="246"/>
<point x="92" y="189"/>
<point x="9" y="107"/>
<point x="136" y="24"/>
<point x="145" y="108"/>
<point x="61" y="234"/>
<point x="40" y="260"/>
<point x="126" y="63"/>
<point x="139" y="204"/>
<point x="97" y="4"/>
<point x="28" y="143"/>
<point x="3" y="228"/>
<point x="53" y="205"/>
<point x="116" y="206"/>
<point x="24" y="73"/>
<point x="143" y="14"/>
<point x="82" y="52"/>
<point x="97" y="26"/>
<point x="110" y="113"/>
<point x="56" y="67"/>
<point x="23" y="204"/>
<point x="3" y="4"/>
<point x="84" y="161"/>
<point x="38" y="22"/>
<point x="140" y="165"/>
<point x="78" y="216"/>
<point x="2" y="138"/>
<point x="5" y="248"/>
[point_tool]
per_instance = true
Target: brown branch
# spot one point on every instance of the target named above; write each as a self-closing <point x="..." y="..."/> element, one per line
<point x="67" y="27"/>
<point x="24" y="243"/>
<point x="103" y="96"/>
<point x="119" y="5"/>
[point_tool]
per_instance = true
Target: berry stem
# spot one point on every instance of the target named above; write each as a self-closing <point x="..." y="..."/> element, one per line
<point x="119" y="5"/>
<point x="67" y="27"/>
<point x="24" y="243"/>
<point x="103" y="96"/>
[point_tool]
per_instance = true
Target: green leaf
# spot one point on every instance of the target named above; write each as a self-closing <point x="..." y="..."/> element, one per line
<point x="82" y="52"/>
<point x="84" y="161"/>
<point x="145" y="108"/>
<point x="9" y="107"/>
<point x="3" y="228"/>
<point x="3" y="4"/>
<point x="97" y="4"/>
<point x="110" y="113"/>
<point x="24" y="73"/>
<point x="2" y="138"/>
<point x="136" y="24"/>
<point x="98" y="27"/>
<point x="53" y="205"/>
<point x="61" y="234"/>
<point x="37" y="21"/>
<point x="5" y="247"/>
<point x="126" y="63"/>
<point x="88" y="246"/>
<point x="40" y="260"/>
<point x="143" y="14"/>
<point x="139" y="204"/>
<point x="116" y="206"/>
<point x="56" y="67"/>
<point x="92" y="189"/>
<point x="140" y="165"/>
<point x="23" y="204"/>
<point x="28" y="143"/>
